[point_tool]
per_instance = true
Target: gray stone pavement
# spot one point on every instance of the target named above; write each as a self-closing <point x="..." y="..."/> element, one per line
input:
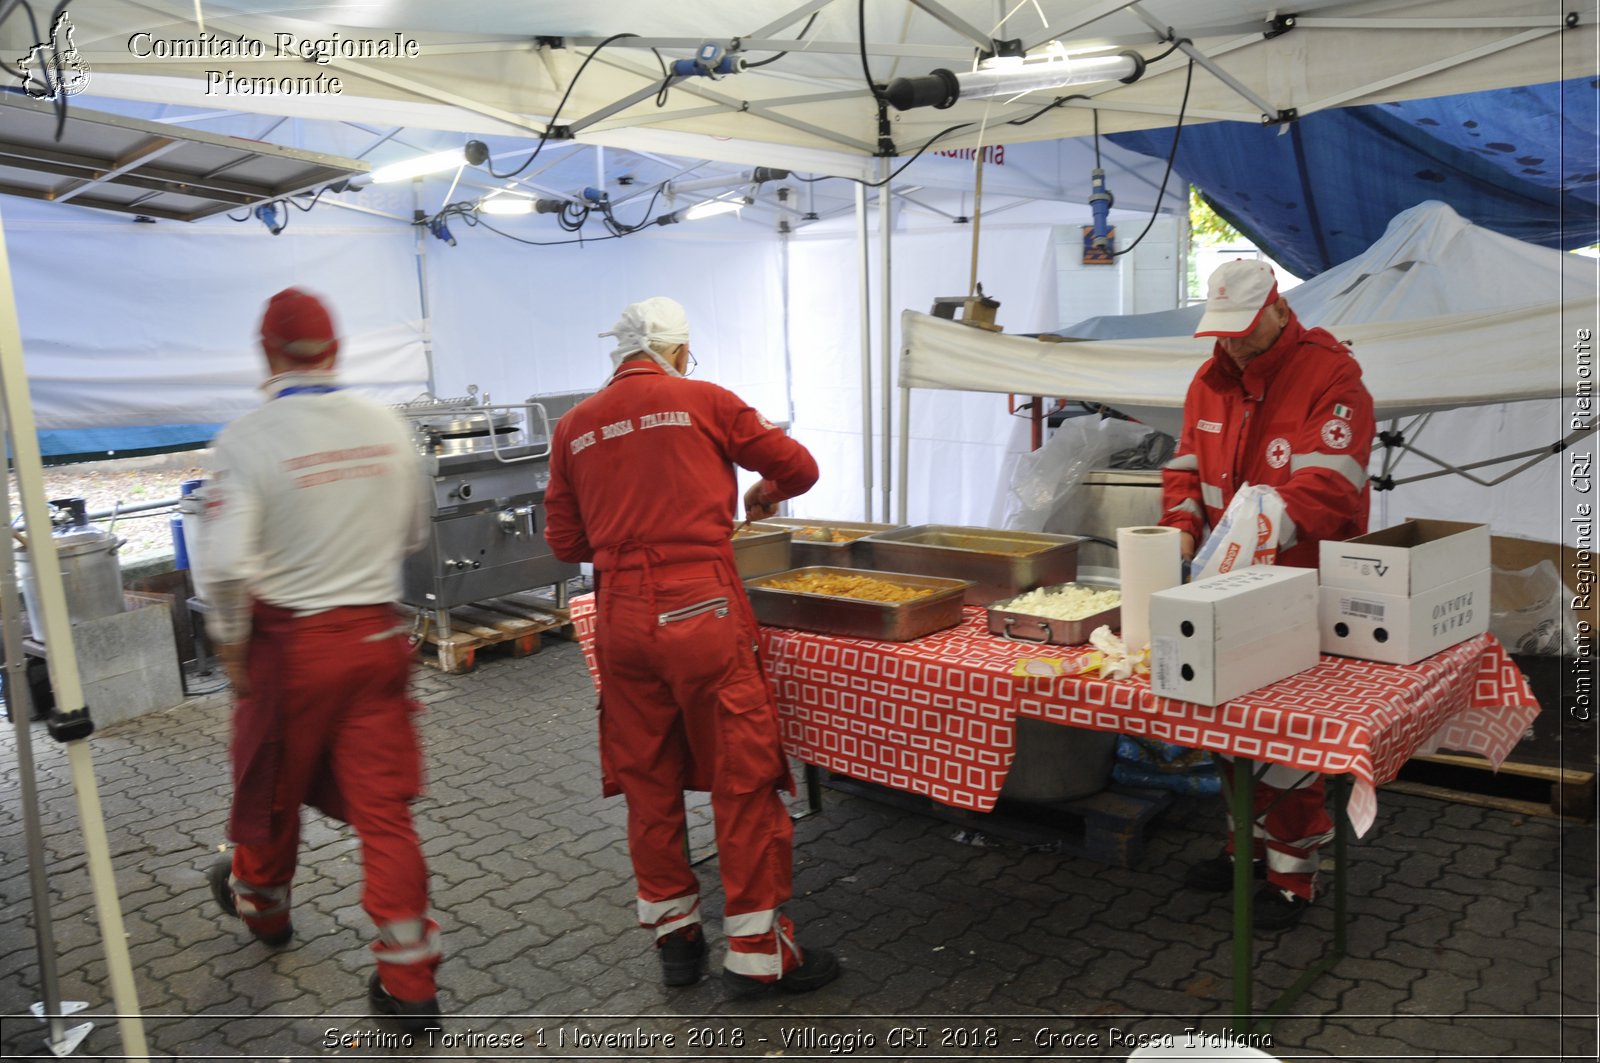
<point x="1473" y="932"/>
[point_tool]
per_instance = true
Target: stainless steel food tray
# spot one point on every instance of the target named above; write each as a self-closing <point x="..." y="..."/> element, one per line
<point x="1046" y="630"/>
<point x="761" y="549"/>
<point x="855" y="617"/>
<point x="1000" y="563"/>
<point x="851" y="554"/>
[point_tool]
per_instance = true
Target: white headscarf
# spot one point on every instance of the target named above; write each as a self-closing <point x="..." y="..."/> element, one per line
<point x="657" y="321"/>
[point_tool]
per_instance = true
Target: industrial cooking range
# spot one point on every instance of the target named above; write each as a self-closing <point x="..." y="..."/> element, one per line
<point x="489" y="466"/>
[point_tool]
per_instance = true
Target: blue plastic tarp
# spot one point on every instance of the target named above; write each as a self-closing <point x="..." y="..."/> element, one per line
<point x="1518" y="161"/>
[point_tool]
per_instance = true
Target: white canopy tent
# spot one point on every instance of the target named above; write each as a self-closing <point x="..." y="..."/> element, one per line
<point x="538" y="70"/>
<point x="1448" y="321"/>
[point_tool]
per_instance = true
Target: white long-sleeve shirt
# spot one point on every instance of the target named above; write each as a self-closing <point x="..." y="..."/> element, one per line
<point x="314" y="502"/>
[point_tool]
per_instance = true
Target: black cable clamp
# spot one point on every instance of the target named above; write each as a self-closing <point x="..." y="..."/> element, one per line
<point x="1382" y="483"/>
<point x="886" y="148"/>
<point x="67" y="727"/>
<point x="1011" y="48"/>
<point x="1283" y="117"/>
<point x="1281" y="24"/>
<point x="1392" y="439"/>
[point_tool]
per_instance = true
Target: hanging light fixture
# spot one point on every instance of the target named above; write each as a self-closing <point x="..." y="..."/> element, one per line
<point x="512" y="205"/>
<point x="1013" y="76"/>
<point x="473" y="153"/>
<point x="705" y="209"/>
<point x="710" y="208"/>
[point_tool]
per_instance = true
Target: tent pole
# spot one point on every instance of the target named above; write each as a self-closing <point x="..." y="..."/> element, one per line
<point x="19" y="704"/>
<point x="422" y="287"/>
<point x="905" y="451"/>
<point x="866" y="350"/>
<point x="886" y="330"/>
<point x="70" y="722"/>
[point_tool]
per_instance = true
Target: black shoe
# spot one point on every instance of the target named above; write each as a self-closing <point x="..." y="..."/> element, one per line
<point x="1215" y="875"/>
<point x="1275" y="909"/>
<point x="411" y="1016"/>
<point x="683" y="956"/>
<point x="219" y="875"/>
<point x="817" y="968"/>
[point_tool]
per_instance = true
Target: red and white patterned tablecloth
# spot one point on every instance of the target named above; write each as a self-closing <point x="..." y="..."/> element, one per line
<point x="937" y="716"/>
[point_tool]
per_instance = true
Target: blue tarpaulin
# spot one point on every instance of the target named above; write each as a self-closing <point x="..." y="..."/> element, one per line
<point x="1320" y="190"/>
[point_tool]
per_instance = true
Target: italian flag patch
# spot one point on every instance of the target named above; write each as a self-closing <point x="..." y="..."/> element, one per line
<point x="1341" y="411"/>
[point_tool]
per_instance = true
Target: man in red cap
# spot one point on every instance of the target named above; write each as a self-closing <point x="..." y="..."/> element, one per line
<point x="1283" y="406"/>
<point x="642" y="484"/>
<point x="316" y="498"/>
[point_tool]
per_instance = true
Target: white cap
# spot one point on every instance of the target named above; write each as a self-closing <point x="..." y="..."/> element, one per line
<point x="657" y="320"/>
<point x="1238" y="292"/>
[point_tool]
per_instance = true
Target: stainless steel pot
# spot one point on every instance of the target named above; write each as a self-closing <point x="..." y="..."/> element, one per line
<point x="90" y="573"/>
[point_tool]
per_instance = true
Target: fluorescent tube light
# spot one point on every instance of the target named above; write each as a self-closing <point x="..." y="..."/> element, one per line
<point x="712" y="207"/>
<point x="420" y="166"/>
<point x="1012" y="76"/>
<point x="506" y="205"/>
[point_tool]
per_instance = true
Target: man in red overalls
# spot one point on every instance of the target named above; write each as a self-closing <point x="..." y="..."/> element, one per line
<point x="642" y="485"/>
<point x="315" y="500"/>
<point x="1281" y="405"/>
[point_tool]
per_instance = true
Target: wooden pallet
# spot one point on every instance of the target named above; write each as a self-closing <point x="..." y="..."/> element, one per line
<point x="515" y="625"/>
<point x="1529" y="789"/>
<point x="1110" y="827"/>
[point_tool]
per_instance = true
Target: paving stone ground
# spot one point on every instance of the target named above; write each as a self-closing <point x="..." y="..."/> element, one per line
<point x="1472" y="937"/>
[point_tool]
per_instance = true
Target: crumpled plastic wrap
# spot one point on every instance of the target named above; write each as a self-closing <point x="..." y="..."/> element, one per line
<point x="1112" y="659"/>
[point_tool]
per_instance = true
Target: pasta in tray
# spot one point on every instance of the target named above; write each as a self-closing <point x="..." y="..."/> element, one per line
<point x="838" y="585"/>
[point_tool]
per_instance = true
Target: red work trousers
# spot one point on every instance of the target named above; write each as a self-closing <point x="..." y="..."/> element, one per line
<point x="685" y="706"/>
<point x="1291" y="823"/>
<point x="328" y="722"/>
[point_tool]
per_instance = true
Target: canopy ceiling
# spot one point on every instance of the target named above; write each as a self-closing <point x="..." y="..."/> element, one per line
<point x="504" y="65"/>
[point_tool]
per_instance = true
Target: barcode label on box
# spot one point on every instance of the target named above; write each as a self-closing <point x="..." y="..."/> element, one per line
<point x="1361" y="610"/>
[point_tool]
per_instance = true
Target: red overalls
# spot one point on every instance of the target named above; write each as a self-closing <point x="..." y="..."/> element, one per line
<point x="642" y="484"/>
<point x="328" y="722"/>
<point x="1297" y="418"/>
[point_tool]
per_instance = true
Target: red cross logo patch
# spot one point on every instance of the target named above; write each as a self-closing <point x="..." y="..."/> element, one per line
<point x="1336" y="433"/>
<point x="1278" y="452"/>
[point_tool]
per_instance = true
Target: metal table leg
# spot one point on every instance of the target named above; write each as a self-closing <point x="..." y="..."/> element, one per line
<point x="1243" y="968"/>
<point x="1244" y="819"/>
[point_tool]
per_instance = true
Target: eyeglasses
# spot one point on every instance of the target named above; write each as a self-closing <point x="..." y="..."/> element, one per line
<point x="688" y="367"/>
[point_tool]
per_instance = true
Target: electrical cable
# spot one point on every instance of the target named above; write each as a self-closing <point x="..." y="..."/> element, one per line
<point x="1172" y="154"/>
<point x="861" y="39"/>
<point x="799" y="37"/>
<point x="550" y="126"/>
<point x="54" y="92"/>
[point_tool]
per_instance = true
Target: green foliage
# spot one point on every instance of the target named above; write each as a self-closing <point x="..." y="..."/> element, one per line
<point x="1205" y="225"/>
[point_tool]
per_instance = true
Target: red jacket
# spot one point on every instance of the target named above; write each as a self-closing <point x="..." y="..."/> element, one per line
<point x="1297" y="418"/>
<point x="649" y="460"/>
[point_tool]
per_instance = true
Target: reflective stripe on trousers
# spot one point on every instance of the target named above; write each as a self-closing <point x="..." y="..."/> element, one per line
<point x="666" y="916"/>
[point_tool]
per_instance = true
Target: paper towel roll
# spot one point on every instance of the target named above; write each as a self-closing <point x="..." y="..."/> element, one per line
<point x="1151" y="560"/>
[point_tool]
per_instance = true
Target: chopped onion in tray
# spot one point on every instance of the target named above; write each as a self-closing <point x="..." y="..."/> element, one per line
<point x="1070" y="602"/>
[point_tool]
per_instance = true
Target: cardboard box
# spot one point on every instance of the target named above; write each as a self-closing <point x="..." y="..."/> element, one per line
<point x="1407" y="559"/>
<point x="1406" y="592"/>
<point x="1401" y="628"/>
<point x="1227" y="635"/>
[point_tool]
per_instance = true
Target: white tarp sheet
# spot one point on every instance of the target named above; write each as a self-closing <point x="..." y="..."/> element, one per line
<point x="1492" y="377"/>
<point x="1411" y="367"/>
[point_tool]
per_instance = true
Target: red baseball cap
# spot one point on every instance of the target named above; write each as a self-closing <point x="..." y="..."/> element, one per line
<point x="297" y="325"/>
<point x="1237" y="293"/>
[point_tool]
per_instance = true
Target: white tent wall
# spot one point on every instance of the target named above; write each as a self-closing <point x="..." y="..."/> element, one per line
<point x="957" y="440"/>
<point x="127" y="323"/>
<point x="519" y="320"/>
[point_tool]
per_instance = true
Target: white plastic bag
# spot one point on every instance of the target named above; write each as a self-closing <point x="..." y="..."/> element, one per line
<point x="1530" y="611"/>
<point x="1246" y="535"/>
<point x="1044" y="480"/>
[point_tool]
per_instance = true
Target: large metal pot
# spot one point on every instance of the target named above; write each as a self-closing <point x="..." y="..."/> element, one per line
<point x="90" y="573"/>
